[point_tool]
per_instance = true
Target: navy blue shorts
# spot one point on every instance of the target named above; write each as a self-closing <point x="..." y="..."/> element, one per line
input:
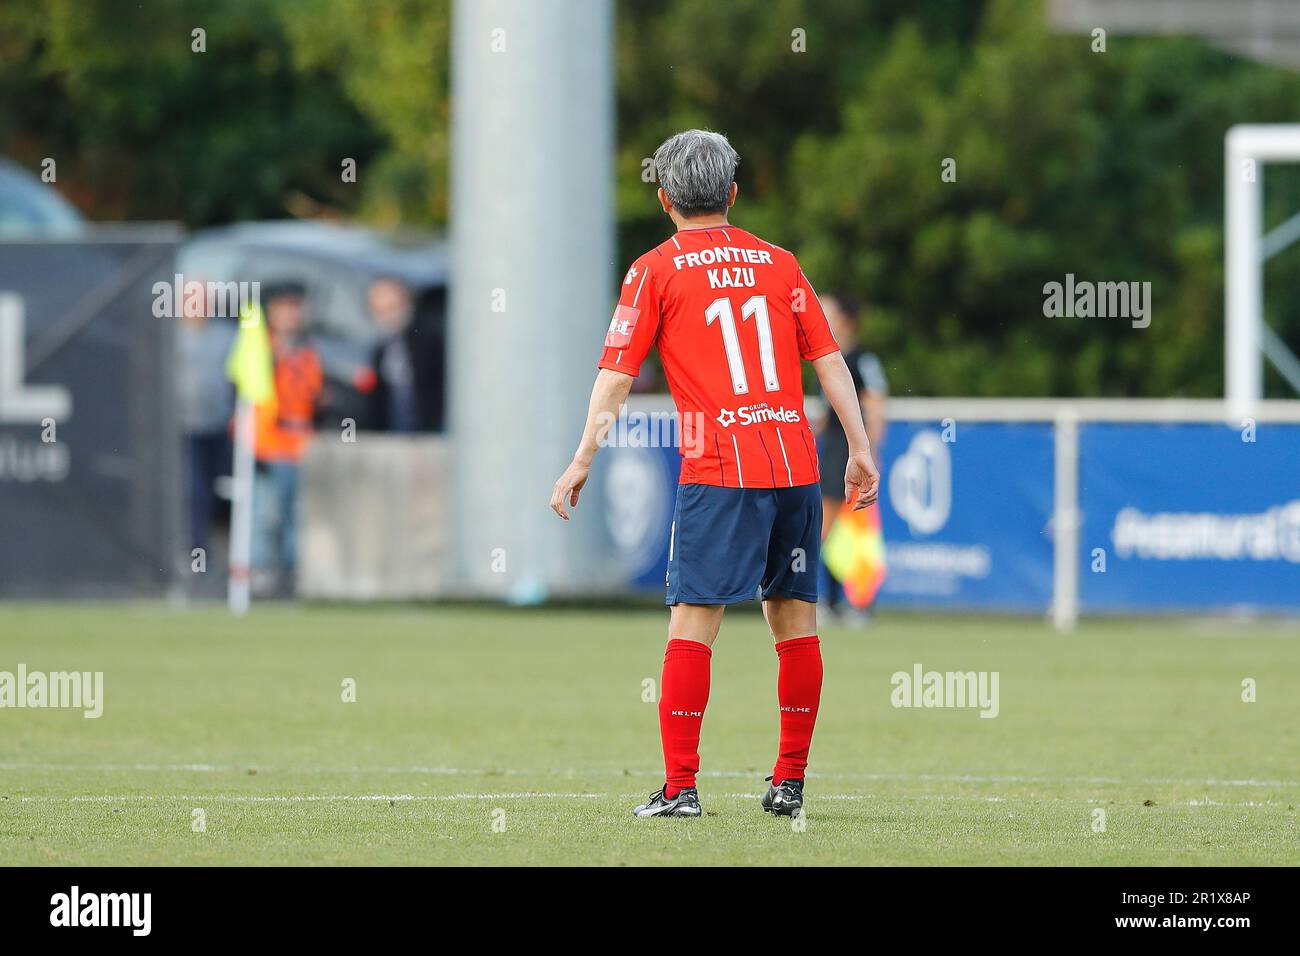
<point x="726" y="543"/>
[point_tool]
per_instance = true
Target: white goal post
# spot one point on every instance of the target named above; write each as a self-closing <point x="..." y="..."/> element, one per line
<point x="1247" y="148"/>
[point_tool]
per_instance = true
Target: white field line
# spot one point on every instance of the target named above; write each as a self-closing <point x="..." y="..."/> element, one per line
<point x="813" y="799"/>
<point x="310" y="798"/>
<point x="618" y="772"/>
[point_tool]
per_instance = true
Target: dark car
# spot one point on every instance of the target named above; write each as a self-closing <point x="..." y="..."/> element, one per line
<point x="337" y="265"/>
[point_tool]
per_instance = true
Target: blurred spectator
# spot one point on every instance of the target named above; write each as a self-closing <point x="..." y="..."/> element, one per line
<point x="206" y="404"/>
<point x="842" y="312"/>
<point x="395" y="405"/>
<point x="408" y="362"/>
<point x="284" y="429"/>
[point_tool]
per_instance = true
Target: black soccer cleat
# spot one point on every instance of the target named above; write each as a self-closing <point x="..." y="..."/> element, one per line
<point x="685" y="804"/>
<point x="785" y="800"/>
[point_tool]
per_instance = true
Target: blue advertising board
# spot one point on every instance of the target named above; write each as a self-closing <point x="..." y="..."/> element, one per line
<point x="966" y="511"/>
<point x="1174" y="517"/>
<point x="1188" y="517"/>
<point x="641" y="466"/>
<point x="965" y="521"/>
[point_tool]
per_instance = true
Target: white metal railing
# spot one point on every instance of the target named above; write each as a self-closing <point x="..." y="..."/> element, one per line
<point x="1089" y="409"/>
<point x="1065" y="415"/>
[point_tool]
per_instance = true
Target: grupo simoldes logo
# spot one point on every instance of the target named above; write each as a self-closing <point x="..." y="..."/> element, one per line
<point x="761" y="412"/>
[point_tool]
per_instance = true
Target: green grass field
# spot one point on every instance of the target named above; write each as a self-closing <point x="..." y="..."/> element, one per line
<point x="534" y="720"/>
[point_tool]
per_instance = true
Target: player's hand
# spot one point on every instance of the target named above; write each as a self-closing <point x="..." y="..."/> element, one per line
<point x="861" y="481"/>
<point x="568" y="488"/>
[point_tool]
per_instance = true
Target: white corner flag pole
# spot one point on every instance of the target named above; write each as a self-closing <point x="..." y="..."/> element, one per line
<point x="241" y="511"/>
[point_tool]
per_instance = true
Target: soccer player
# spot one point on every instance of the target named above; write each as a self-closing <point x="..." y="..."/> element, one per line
<point x="732" y="317"/>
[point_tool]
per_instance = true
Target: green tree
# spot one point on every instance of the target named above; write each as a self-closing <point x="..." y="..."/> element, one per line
<point x="1108" y="165"/>
<point x="391" y="58"/>
<point x="144" y="127"/>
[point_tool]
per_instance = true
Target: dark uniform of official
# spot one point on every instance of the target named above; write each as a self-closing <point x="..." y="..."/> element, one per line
<point x="833" y="445"/>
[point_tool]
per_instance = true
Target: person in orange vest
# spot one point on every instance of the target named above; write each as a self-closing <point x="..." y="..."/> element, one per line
<point x="284" y="429"/>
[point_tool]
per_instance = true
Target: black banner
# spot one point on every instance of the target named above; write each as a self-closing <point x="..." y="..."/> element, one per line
<point x="983" y="907"/>
<point x="89" y="444"/>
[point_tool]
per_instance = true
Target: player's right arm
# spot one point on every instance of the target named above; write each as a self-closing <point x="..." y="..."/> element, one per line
<point x="607" y="397"/>
<point x="632" y="332"/>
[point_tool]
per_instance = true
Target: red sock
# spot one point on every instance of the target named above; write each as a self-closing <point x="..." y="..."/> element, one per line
<point x="683" y="695"/>
<point x="798" y="691"/>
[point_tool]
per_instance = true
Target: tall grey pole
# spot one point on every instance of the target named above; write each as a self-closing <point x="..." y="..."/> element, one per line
<point x="532" y="286"/>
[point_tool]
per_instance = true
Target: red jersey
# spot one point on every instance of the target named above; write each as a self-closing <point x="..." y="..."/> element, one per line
<point x="732" y="317"/>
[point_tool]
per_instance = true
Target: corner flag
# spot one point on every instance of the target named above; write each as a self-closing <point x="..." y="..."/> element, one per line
<point x="251" y="367"/>
<point x="854" y="552"/>
<point x="249" y="364"/>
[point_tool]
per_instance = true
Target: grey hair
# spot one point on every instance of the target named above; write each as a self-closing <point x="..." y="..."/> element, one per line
<point x="696" y="168"/>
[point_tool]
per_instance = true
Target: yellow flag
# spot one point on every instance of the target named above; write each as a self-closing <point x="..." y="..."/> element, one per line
<point x="249" y="364"/>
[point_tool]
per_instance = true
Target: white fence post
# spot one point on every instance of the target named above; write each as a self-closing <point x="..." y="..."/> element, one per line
<point x="1065" y="522"/>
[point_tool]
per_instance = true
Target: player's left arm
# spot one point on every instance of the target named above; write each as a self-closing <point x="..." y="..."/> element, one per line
<point x="607" y="397"/>
<point x="861" y="479"/>
<point x="818" y="345"/>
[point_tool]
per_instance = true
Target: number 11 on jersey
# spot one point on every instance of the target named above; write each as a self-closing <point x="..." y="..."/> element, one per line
<point x="755" y="308"/>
